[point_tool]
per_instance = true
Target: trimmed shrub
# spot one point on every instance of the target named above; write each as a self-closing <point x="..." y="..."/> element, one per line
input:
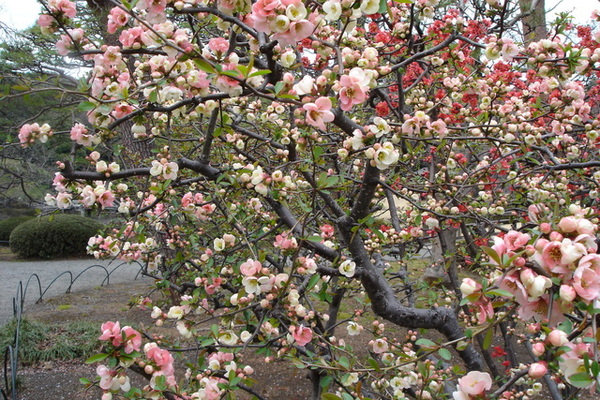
<point x="7" y="226"/>
<point x="53" y="236"/>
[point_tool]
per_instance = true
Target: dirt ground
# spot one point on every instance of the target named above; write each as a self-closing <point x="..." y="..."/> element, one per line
<point x="59" y="380"/>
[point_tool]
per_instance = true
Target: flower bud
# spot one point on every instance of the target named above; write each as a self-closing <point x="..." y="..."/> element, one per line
<point x="537" y="370"/>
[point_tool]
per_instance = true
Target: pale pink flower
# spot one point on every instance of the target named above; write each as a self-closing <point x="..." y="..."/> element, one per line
<point x="62" y="6"/>
<point x="469" y="286"/>
<point x="170" y="170"/>
<point x="133" y="339"/>
<point x="319" y="112"/>
<point x="379" y="346"/>
<point x="106" y="199"/>
<point x="516" y="240"/>
<point x="282" y="242"/>
<point x="219" y="46"/>
<point x="473" y="384"/>
<point x="354" y="87"/>
<point x="302" y="335"/>
<point x="250" y="267"/>
<point x="107" y="378"/>
<point x="116" y="19"/>
<point x="586" y="278"/>
<point x="111" y="331"/>
<point x="47" y="23"/>
<point x="161" y="358"/>
<point x="64" y="200"/>
<point x="557" y="338"/>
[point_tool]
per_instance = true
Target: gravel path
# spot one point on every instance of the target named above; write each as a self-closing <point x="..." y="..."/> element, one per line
<point x="11" y="273"/>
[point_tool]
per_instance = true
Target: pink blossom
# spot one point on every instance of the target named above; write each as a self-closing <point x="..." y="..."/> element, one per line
<point x="282" y="242"/>
<point x="469" y="286"/>
<point x="111" y="331"/>
<point x="250" y="267"/>
<point x="586" y="278"/>
<point x="47" y="23"/>
<point x="568" y="224"/>
<point x="116" y="19"/>
<point x="219" y="46"/>
<point x="62" y="6"/>
<point x="130" y="36"/>
<point x="326" y="230"/>
<point x="80" y="135"/>
<point x="297" y="31"/>
<point x="301" y="334"/>
<point x="160" y="358"/>
<point x="319" y="112"/>
<point x="516" y="240"/>
<point x="106" y="199"/>
<point x="473" y="384"/>
<point x="133" y="339"/>
<point x="354" y="88"/>
<point x="107" y="378"/>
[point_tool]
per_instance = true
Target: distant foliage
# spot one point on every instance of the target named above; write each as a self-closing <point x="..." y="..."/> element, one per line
<point x="8" y="225"/>
<point x="53" y="236"/>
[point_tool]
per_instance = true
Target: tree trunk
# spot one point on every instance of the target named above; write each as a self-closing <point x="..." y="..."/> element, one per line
<point x="534" y="20"/>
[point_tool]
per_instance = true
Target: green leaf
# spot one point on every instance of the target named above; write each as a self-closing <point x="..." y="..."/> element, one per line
<point x="315" y="238"/>
<point x="492" y="254"/>
<point x="330" y="396"/>
<point x="426" y="343"/>
<point x="205" y="66"/>
<point x="326" y="381"/>
<point x="489" y="337"/>
<point x="96" y="358"/>
<point x="260" y="72"/>
<point x="580" y="380"/>
<point x="86" y="106"/>
<point x="84" y="381"/>
<point x="445" y="354"/>
<point x="344" y="362"/>
<point x="313" y="281"/>
<point x="499" y="292"/>
<point x="374" y="364"/>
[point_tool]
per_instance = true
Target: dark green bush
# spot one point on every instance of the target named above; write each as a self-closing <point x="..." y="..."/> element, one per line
<point x="7" y="226"/>
<point x="53" y="236"/>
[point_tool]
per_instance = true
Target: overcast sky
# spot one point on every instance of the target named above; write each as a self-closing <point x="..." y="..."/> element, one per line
<point x="23" y="13"/>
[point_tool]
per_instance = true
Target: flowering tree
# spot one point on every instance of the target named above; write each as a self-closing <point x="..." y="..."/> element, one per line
<point x="297" y="146"/>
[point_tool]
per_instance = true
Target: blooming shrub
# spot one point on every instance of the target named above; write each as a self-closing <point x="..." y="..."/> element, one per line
<point x="291" y="152"/>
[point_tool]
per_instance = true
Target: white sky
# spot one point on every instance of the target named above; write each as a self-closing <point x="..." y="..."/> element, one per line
<point x="21" y="14"/>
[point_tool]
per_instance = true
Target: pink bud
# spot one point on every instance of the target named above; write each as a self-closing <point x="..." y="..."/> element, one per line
<point x="556" y="237"/>
<point x="545" y="228"/>
<point x="538" y="349"/>
<point x="519" y="262"/>
<point x="568" y="224"/>
<point x="537" y="370"/>
<point x="557" y="338"/>
<point x="567" y="293"/>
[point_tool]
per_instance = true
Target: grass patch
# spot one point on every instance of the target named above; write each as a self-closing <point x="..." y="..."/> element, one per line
<point x="42" y="342"/>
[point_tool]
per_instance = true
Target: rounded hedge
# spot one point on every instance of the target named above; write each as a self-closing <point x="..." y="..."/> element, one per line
<point x="7" y="226"/>
<point x="53" y="236"/>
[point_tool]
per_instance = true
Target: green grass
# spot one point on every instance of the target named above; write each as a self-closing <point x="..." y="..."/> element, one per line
<point x="42" y="342"/>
